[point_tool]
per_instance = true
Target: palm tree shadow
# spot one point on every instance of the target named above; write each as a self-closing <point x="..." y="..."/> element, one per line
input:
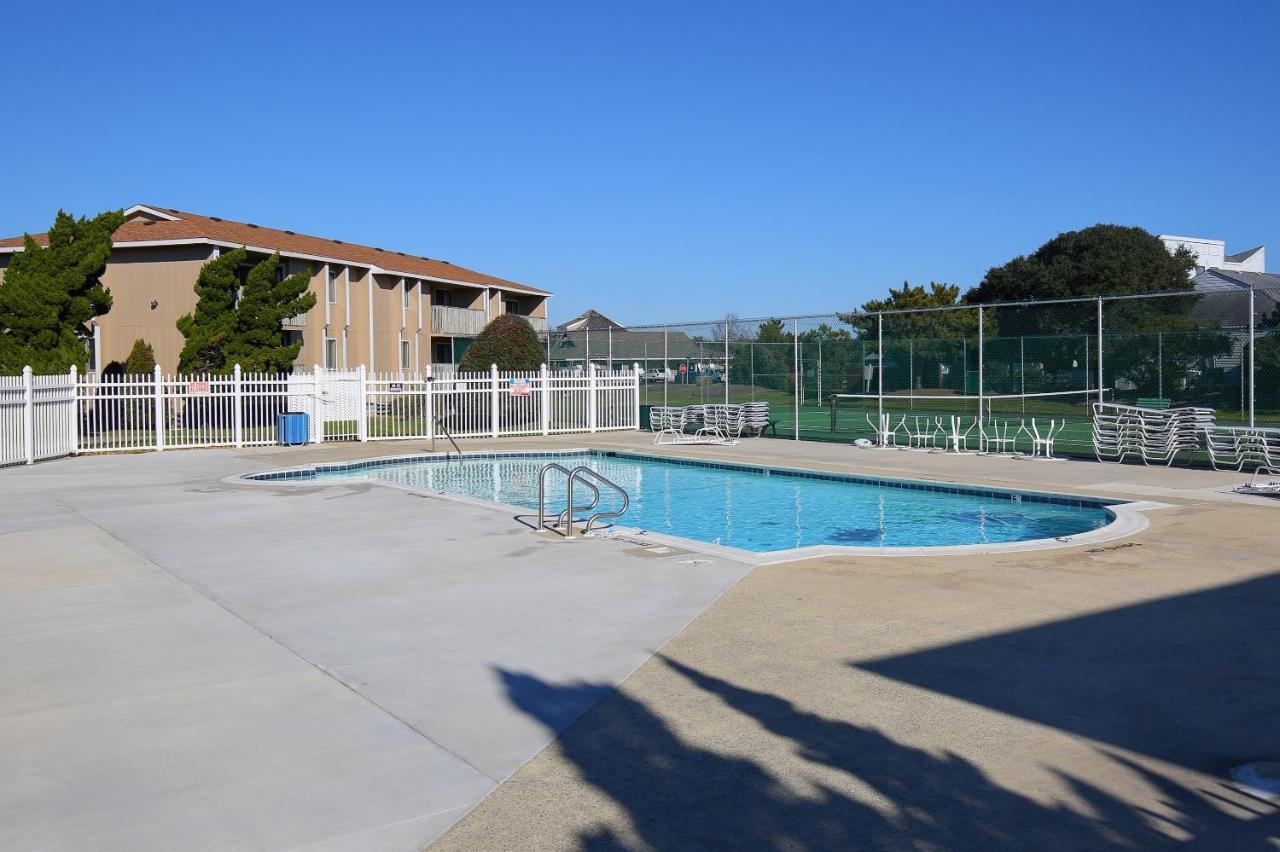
<point x="679" y="794"/>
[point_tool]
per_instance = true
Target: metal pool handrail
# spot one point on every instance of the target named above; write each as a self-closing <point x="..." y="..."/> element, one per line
<point x="582" y="471"/>
<point x="580" y="474"/>
<point x="569" y="509"/>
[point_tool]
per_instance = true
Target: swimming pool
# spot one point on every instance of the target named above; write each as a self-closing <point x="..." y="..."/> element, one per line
<point x="754" y="508"/>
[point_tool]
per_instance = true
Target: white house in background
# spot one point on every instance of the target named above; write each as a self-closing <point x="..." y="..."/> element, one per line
<point x="1212" y="254"/>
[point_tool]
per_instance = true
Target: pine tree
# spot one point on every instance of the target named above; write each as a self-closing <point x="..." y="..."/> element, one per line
<point x="209" y="328"/>
<point x="258" y="343"/>
<point x="508" y="341"/>
<point x="50" y="293"/>
<point x="141" y="360"/>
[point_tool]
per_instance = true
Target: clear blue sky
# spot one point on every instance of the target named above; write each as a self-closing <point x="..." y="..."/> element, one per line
<point x="656" y="160"/>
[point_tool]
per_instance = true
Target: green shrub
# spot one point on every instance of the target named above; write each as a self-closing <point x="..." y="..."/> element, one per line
<point x="508" y="341"/>
<point x="141" y="360"/>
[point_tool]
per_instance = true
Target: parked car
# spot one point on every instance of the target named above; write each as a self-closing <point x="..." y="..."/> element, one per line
<point x="653" y="376"/>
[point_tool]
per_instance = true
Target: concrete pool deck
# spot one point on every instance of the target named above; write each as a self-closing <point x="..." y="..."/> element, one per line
<point x="203" y="665"/>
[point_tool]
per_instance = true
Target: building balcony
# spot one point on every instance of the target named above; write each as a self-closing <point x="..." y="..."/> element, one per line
<point x="464" y="321"/>
<point x="539" y="324"/>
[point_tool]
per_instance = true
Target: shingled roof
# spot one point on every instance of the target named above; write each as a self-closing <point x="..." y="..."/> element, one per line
<point x="591" y="320"/>
<point x="150" y="225"/>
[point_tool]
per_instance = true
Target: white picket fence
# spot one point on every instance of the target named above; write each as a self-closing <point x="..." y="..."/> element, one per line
<point x="47" y="416"/>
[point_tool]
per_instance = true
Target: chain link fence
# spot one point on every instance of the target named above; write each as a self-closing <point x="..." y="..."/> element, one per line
<point x="825" y="378"/>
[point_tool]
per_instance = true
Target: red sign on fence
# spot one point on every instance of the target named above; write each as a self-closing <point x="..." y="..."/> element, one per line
<point x="684" y="368"/>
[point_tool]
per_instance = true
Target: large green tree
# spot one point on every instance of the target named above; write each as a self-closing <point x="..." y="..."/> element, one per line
<point x="1152" y="345"/>
<point x="772" y="359"/>
<point x="922" y="323"/>
<point x="258" y="343"/>
<point x="1100" y="260"/>
<point x="243" y="323"/>
<point x="50" y="293"/>
<point x="508" y="341"/>
<point x="208" y="329"/>
<point x="835" y="352"/>
<point x="930" y="345"/>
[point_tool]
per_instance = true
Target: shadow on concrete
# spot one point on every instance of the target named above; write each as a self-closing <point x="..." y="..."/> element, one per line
<point x="681" y="795"/>
<point x="1192" y="679"/>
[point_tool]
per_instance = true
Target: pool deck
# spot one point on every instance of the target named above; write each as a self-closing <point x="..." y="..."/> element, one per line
<point x="204" y="665"/>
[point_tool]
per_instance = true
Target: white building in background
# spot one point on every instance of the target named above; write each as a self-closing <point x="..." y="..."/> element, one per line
<point x="1212" y="254"/>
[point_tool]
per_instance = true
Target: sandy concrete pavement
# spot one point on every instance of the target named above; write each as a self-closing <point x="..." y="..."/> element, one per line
<point x="1084" y="698"/>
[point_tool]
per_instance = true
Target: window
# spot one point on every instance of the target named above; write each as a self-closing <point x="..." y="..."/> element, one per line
<point x="404" y="290"/>
<point x="442" y="297"/>
<point x="510" y="306"/>
<point x="331" y="286"/>
<point x="405" y="363"/>
<point x="330" y="353"/>
<point x="444" y="353"/>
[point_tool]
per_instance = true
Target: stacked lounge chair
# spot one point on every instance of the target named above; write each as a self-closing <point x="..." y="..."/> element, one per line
<point x="1243" y="448"/>
<point x="663" y="417"/>
<point x="711" y="424"/>
<point x="1154" y="435"/>
<point x="755" y="416"/>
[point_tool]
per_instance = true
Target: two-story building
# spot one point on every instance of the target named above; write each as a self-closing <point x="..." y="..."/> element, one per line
<point x="387" y="310"/>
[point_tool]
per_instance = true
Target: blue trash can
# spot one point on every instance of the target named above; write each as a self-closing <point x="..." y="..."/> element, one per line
<point x="292" y="427"/>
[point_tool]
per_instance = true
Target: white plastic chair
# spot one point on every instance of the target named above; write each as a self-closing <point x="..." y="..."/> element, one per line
<point x="923" y="435"/>
<point x="886" y="432"/>
<point x="995" y="438"/>
<point x="1042" y="443"/>
<point x="954" y="440"/>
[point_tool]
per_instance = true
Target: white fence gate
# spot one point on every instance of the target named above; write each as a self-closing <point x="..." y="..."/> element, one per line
<point x="37" y="417"/>
<point x="46" y="416"/>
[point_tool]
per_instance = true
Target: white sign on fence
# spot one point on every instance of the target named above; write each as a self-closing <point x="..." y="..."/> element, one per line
<point x="198" y="388"/>
<point x="519" y="387"/>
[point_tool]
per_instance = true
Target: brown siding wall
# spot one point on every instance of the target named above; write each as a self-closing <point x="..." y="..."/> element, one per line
<point x="136" y="277"/>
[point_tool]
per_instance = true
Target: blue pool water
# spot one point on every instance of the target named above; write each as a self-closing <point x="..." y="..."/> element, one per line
<point x="754" y="510"/>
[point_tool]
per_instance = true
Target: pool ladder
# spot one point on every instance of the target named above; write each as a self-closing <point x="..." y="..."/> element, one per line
<point x="583" y="475"/>
<point x="441" y="427"/>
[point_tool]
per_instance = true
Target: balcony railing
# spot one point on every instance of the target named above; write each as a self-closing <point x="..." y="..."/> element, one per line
<point x="539" y="323"/>
<point x="447" y="320"/>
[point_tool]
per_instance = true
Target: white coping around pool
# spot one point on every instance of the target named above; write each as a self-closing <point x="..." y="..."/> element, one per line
<point x="1127" y="517"/>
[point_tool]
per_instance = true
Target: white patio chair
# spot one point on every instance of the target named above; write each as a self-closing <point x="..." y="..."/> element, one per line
<point x="955" y="440"/>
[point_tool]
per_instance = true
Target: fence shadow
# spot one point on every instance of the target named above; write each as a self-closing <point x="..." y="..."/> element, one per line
<point x="679" y="794"/>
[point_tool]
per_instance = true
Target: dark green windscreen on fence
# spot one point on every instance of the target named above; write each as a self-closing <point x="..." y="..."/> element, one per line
<point x="825" y="379"/>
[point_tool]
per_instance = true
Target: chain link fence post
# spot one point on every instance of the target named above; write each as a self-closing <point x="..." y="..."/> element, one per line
<point x="1101" y="383"/>
<point x="795" y="366"/>
<point x="879" y="368"/>
<point x="1252" y="340"/>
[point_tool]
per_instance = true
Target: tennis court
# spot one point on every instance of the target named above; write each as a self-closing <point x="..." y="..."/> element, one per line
<point x="832" y="377"/>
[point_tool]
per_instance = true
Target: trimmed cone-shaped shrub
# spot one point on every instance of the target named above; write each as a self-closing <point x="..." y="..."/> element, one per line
<point x="508" y="341"/>
<point x="141" y="360"/>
